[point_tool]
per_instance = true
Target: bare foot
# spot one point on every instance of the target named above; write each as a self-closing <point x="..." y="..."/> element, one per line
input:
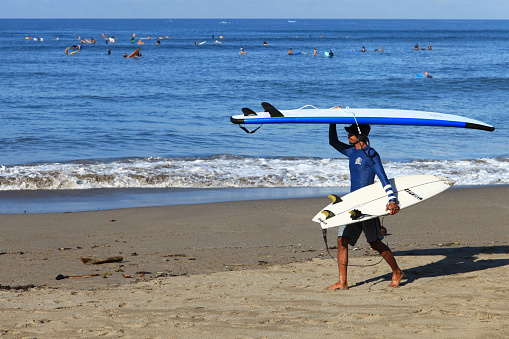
<point x="338" y="286"/>
<point x="396" y="278"/>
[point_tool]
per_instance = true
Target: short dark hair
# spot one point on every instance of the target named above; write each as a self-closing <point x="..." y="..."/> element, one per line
<point x="354" y="129"/>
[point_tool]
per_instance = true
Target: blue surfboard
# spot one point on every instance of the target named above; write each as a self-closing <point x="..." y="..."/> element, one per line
<point x="312" y="115"/>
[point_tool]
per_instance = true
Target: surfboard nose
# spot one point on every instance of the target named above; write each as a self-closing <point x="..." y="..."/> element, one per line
<point x="446" y="180"/>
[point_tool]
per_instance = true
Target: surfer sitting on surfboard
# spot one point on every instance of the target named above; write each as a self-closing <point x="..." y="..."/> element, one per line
<point x="364" y="163"/>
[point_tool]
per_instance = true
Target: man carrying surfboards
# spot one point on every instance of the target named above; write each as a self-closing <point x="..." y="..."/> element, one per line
<point x="364" y="163"/>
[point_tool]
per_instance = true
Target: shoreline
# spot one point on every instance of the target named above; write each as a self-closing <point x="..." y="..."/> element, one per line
<point x="66" y="201"/>
<point x="256" y="269"/>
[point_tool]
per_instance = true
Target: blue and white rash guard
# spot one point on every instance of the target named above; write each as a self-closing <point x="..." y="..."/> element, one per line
<point x="363" y="163"/>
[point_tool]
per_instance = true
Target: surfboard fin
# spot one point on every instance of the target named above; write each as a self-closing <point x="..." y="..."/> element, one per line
<point x="328" y="214"/>
<point x="355" y="214"/>
<point x="273" y="111"/>
<point x="248" y="112"/>
<point x="335" y="199"/>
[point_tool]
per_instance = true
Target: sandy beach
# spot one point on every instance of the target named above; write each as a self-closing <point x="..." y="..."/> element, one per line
<point x="256" y="269"/>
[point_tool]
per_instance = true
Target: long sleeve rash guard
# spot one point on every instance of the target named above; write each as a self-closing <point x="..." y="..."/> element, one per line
<point x="363" y="164"/>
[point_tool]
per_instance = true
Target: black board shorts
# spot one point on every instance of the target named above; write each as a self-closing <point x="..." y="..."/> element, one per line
<point x="370" y="227"/>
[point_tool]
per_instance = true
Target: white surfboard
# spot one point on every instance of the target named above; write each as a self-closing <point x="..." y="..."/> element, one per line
<point x="311" y="115"/>
<point x="370" y="202"/>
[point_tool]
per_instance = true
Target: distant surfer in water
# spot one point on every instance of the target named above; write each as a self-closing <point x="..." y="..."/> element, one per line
<point x="364" y="163"/>
<point x="429" y="76"/>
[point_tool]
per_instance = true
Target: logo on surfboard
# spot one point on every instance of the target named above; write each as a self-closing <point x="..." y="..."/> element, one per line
<point x="415" y="195"/>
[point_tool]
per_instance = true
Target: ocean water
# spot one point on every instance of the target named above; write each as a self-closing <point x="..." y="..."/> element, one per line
<point x="96" y="121"/>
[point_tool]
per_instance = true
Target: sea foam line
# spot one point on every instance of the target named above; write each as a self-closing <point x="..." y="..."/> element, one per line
<point x="226" y="171"/>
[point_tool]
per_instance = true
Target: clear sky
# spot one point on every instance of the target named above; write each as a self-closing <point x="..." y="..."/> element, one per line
<point x="272" y="9"/>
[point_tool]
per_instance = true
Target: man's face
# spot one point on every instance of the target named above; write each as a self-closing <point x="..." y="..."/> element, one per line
<point x="352" y="138"/>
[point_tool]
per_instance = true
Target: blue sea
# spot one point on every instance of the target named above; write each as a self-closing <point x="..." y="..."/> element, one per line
<point x="96" y="130"/>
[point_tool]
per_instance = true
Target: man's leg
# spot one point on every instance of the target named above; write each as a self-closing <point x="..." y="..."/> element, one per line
<point x="397" y="273"/>
<point x="342" y="264"/>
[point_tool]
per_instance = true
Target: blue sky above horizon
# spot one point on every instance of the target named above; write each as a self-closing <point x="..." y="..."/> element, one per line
<point x="267" y="9"/>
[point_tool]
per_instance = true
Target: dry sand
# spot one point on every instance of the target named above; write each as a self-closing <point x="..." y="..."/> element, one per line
<point x="256" y="269"/>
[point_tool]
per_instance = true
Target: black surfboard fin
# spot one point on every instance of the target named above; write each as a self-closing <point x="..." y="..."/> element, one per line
<point x="355" y="214"/>
<point x="248" y="112"/>
<point x="328" y="214"/>
<point x="335" y="199"/>
<point x="273" y="111"/>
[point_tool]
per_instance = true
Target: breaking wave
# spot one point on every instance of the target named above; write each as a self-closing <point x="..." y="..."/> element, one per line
<point x="227" y="171"/>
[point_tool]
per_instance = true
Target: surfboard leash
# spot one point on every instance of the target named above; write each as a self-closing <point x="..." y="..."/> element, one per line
<point x="365" y="137"/>
<point x="324" y="233"/>
<point x="247" y="131"/>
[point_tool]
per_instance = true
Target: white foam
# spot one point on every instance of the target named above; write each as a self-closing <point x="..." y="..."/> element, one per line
<point x="233" y="171"/>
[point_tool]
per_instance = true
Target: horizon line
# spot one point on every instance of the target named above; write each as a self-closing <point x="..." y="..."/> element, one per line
<point x="133" y="18"/>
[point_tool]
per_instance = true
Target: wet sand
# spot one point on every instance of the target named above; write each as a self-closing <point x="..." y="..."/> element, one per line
<point x="255" y="269"/>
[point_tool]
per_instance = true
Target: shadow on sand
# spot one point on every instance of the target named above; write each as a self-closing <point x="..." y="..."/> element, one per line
<point x="456" y="260"/>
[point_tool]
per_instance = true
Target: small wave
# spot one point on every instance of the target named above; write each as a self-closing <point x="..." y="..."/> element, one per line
<point x="227" y="171"/>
